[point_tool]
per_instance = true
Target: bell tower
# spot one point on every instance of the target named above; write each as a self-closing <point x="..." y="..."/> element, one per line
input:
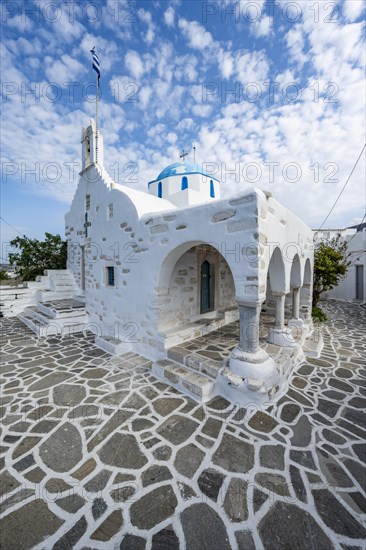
<point x="92" y="148"/>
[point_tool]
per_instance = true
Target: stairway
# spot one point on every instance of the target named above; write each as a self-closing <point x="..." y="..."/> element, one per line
<point x="190" y="373"/>
<point x="59" y="310"/>
<point x="59" y="284"/>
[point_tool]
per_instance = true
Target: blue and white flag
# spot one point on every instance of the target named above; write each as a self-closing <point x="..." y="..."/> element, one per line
<point x="95" y="62"/>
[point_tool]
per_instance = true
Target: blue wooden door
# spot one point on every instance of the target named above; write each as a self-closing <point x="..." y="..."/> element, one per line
<point x="206" y="287"/>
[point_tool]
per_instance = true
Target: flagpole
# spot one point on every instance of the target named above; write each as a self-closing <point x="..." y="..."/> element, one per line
<point x="96" y="117"/>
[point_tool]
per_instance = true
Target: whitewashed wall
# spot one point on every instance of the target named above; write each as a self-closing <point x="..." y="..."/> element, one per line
<point x="144" y="237"/>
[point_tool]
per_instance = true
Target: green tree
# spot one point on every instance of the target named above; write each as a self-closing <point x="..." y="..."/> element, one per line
<point x="3" y="275"/>
<point x="35" y="256"/>
<point x="330" y="266"/>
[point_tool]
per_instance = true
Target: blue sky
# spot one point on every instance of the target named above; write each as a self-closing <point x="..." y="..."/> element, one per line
<point x="270" y="92"/>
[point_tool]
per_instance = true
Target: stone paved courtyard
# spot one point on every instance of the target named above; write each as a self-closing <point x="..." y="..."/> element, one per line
<point x="96" y="453"/>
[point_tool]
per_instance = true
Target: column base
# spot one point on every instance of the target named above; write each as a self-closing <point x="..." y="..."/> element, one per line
<point x="296" y="323"/>
<point x="281" y="337"/>
<point x="253" y="366"/>
<point x="250" y="378"/>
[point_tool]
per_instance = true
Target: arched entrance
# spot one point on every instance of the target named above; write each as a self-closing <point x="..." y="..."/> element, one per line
<point x="196" y="293"/>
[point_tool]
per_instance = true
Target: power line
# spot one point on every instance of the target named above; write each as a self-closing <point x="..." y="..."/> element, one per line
<point x="358" y="227"/>
<point x="11" y="226"/>
<point x="344" y="186"/>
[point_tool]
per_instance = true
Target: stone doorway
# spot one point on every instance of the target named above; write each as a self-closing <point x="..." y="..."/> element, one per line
<point x="207" y="298"/>
<point x="359" y="282"/>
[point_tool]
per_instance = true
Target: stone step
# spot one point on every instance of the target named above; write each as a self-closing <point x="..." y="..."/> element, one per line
<point x="56" y="272"/>
<point x="178" y="335"/>
<point x="50" y="295"/>
<point x="112" y="345"/>
<point x="38" y="327"/>
<point x="195" y="362"/>
<point x="49" y="309"/>
<point x="65" y="288"/>
<point x="34" y="313"/>
<point x="196" y="385"/>
<point x="42" y="329"/>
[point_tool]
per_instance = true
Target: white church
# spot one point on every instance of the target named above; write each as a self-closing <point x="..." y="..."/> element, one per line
<point x="164" y="267"/>
<point x="164" y="273"/>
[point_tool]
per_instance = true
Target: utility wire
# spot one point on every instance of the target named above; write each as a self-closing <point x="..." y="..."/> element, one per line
<point x="11" y="226"/>
<point x="344" y="186"/>
<point x="357" y="229"/>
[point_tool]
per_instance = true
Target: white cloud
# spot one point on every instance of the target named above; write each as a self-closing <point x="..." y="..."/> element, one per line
<point x="21" y="23"/>
<point x="169" y="15"/>
<point x="185" y="124"/>
<point x="144" y="96"/>
<point x="171" y="110"/>
<point x="203" y="111"/>
<point x="226" y="63"/>
<point x="146" y="17"/>
<point x="198" y="38"/>
<point x="263" y="27"/>
<point x="172" y="137"/>
<point x="353" y="9"/>
<point x="67" y="27"/>
<point x="66" y="69"/>
<point x="295" y="43"/>
<point x="251" y="67"/>
<point x="134" y="64"/>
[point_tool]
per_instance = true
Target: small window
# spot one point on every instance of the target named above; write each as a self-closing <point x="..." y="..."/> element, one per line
<point x="184" y="182"/>
<point x="212" y="189"/>
<point x="160" y="190"/>
<point x="87" y="202"/>
<point x="110" y="276"/>
<point x="110" y="211"/>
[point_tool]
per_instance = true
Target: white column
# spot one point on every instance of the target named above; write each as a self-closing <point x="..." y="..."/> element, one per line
<point x="306" y="302"/>
<point x="280" y="335"/>
<point x="296" y="302"/>
<point x="250" y="367"/>
<point x="296" y="323"/>
<point x="249" y="327"/>
<point x="280" y="310"/>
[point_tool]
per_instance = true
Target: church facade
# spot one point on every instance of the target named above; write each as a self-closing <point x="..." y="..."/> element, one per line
<point x="161" y="268"/>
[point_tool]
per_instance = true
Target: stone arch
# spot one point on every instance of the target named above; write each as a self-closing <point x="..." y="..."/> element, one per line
<point x="295" y="274"/>
<point x="276" y="272"/>
<point x="308" y="277"/>
<point x="169" y="262"/>
<point x="180" y="286"/>
<point x="306" y="297"/>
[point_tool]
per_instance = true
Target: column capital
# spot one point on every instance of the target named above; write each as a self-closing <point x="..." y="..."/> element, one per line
<point x="278" y="294"/>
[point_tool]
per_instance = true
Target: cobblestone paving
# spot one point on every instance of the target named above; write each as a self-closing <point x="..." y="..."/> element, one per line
<point x="96" y="453"/>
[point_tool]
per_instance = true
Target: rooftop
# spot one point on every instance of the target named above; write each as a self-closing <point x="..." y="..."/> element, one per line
<point x="181" y="168"/>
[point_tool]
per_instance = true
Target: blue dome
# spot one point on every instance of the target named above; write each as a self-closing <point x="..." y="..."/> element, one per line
<point x="178" y="168"/>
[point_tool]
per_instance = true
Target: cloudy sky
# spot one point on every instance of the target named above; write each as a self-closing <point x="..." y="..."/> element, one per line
<point x="270" y="92"/>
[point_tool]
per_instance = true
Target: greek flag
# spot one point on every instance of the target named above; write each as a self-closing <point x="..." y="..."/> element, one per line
<point x="95" y="62"/>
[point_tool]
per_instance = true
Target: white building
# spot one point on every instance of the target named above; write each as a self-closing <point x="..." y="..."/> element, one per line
<point x="156" y="267"/>
<point x="353" y="287"/>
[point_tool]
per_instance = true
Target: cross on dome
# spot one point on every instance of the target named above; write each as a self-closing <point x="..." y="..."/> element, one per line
<point x="183" y="155"/>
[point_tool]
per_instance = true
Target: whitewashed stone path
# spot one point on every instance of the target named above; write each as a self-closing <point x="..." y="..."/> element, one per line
<point x="96" y="453"/>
